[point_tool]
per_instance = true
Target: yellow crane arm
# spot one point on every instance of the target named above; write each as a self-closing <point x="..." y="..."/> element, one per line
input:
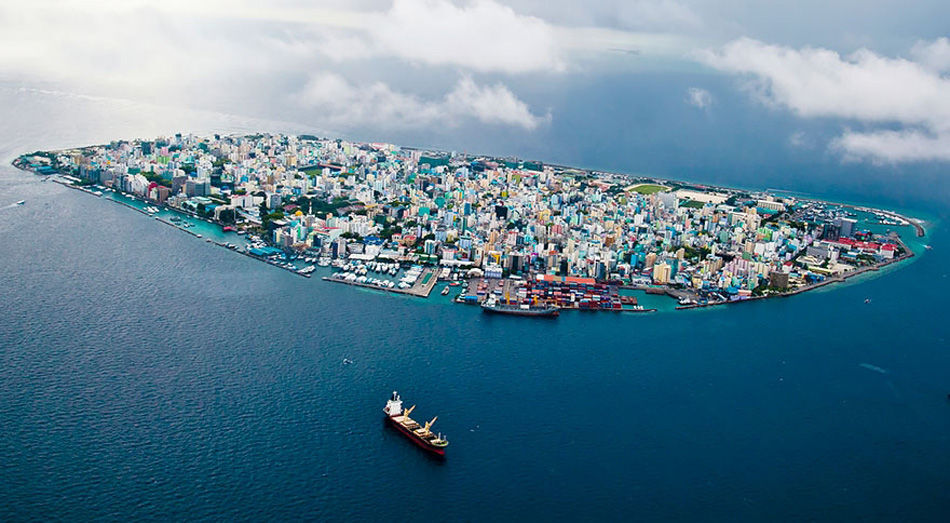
<point x="405" y="413"/>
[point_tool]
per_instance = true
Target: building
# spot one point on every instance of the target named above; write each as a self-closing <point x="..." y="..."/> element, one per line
<point x="845" y="227"/>
<point x="778" y="279"/>
<point x="662" y="273"/>
<point x="650" y="260"/>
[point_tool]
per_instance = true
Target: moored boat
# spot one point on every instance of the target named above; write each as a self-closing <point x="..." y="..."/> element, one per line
<point x="515" y="309"/>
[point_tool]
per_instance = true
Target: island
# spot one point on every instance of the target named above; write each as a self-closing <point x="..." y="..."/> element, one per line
<point x="525" y="234"/>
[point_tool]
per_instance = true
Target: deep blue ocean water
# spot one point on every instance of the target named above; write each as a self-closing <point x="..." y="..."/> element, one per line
<point x="146" y="374"/>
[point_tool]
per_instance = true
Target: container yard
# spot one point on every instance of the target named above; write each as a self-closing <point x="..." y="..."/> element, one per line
<point x="563" y="292"/>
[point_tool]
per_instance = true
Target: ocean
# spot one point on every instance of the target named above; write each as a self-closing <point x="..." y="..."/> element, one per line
<point x="147" y="374"/>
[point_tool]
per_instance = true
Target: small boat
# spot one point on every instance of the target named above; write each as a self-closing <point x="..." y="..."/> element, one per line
<point x="445" y="290"/>
<point x="928" y="247"/>
<point x="867" y="300"/>
<point x="21" y="202"/>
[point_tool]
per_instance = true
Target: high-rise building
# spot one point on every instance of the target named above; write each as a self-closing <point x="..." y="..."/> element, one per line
<point x="830" y="232"/>
<point x="661" y="273"/>
<point x="778" y="279"/>
<point x="178" y="182"/>
<point x="650" y="260"/>
<point x="845" y="227"/>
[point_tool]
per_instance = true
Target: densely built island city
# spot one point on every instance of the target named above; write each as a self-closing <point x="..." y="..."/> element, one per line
<point x="513" y="236"/>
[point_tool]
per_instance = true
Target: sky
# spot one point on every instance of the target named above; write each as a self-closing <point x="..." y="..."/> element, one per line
<point x="643" y="85"/>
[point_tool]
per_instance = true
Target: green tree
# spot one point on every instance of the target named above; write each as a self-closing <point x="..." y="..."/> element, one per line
<point x="227" y="216"/>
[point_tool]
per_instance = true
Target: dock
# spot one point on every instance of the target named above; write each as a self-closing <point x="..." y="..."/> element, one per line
<point x="422" y="288"/>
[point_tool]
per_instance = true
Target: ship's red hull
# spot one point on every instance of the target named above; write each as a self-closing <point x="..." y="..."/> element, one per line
<point x="439" y="451"/>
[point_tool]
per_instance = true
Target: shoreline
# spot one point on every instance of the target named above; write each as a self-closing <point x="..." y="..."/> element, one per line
<point x="424" y="290"/>
<point x="828" y="281"/>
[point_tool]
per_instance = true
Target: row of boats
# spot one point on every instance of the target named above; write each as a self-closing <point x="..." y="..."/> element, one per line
<point x="361" y="269"/>
<point x="178" y="221"/>
<point x="283" y="264"/>
<point x="321" y="261"/>
<point x="389" y="268"/>
<point x="351" y="277"/>
<point x="357" y="272"/>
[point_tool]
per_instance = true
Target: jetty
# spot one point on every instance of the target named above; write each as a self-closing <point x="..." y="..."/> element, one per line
<point x="422" y="288"/>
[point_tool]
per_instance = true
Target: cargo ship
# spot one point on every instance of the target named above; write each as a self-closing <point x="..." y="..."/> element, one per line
<point x="543" y="311"/>
<point x="421" y="435"/>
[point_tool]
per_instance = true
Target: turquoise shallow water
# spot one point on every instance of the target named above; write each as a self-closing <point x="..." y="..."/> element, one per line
<point x="148" y="374"/>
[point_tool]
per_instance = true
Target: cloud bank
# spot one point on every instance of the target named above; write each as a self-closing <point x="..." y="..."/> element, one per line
<point x="182" y="53"/>
<point x="864" y="87"/>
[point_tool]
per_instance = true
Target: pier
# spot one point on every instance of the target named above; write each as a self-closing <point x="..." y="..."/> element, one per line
<point x="422" y="288"/>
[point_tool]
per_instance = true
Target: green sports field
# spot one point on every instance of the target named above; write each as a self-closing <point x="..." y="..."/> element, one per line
<point x="648" y="188"/>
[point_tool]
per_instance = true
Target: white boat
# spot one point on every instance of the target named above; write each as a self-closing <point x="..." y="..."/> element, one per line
<point x="21" y="202"/>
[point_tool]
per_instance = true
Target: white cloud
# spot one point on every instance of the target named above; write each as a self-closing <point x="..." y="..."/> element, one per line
<point x="933" y="55"/>
<point x="341" y="103"/>
<point x="894" y="146"/>
<point x="698" y="97"/>
<point x="493" y="104"/>
<point x="863" y="86"/>
<point x="483" y="36"/>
